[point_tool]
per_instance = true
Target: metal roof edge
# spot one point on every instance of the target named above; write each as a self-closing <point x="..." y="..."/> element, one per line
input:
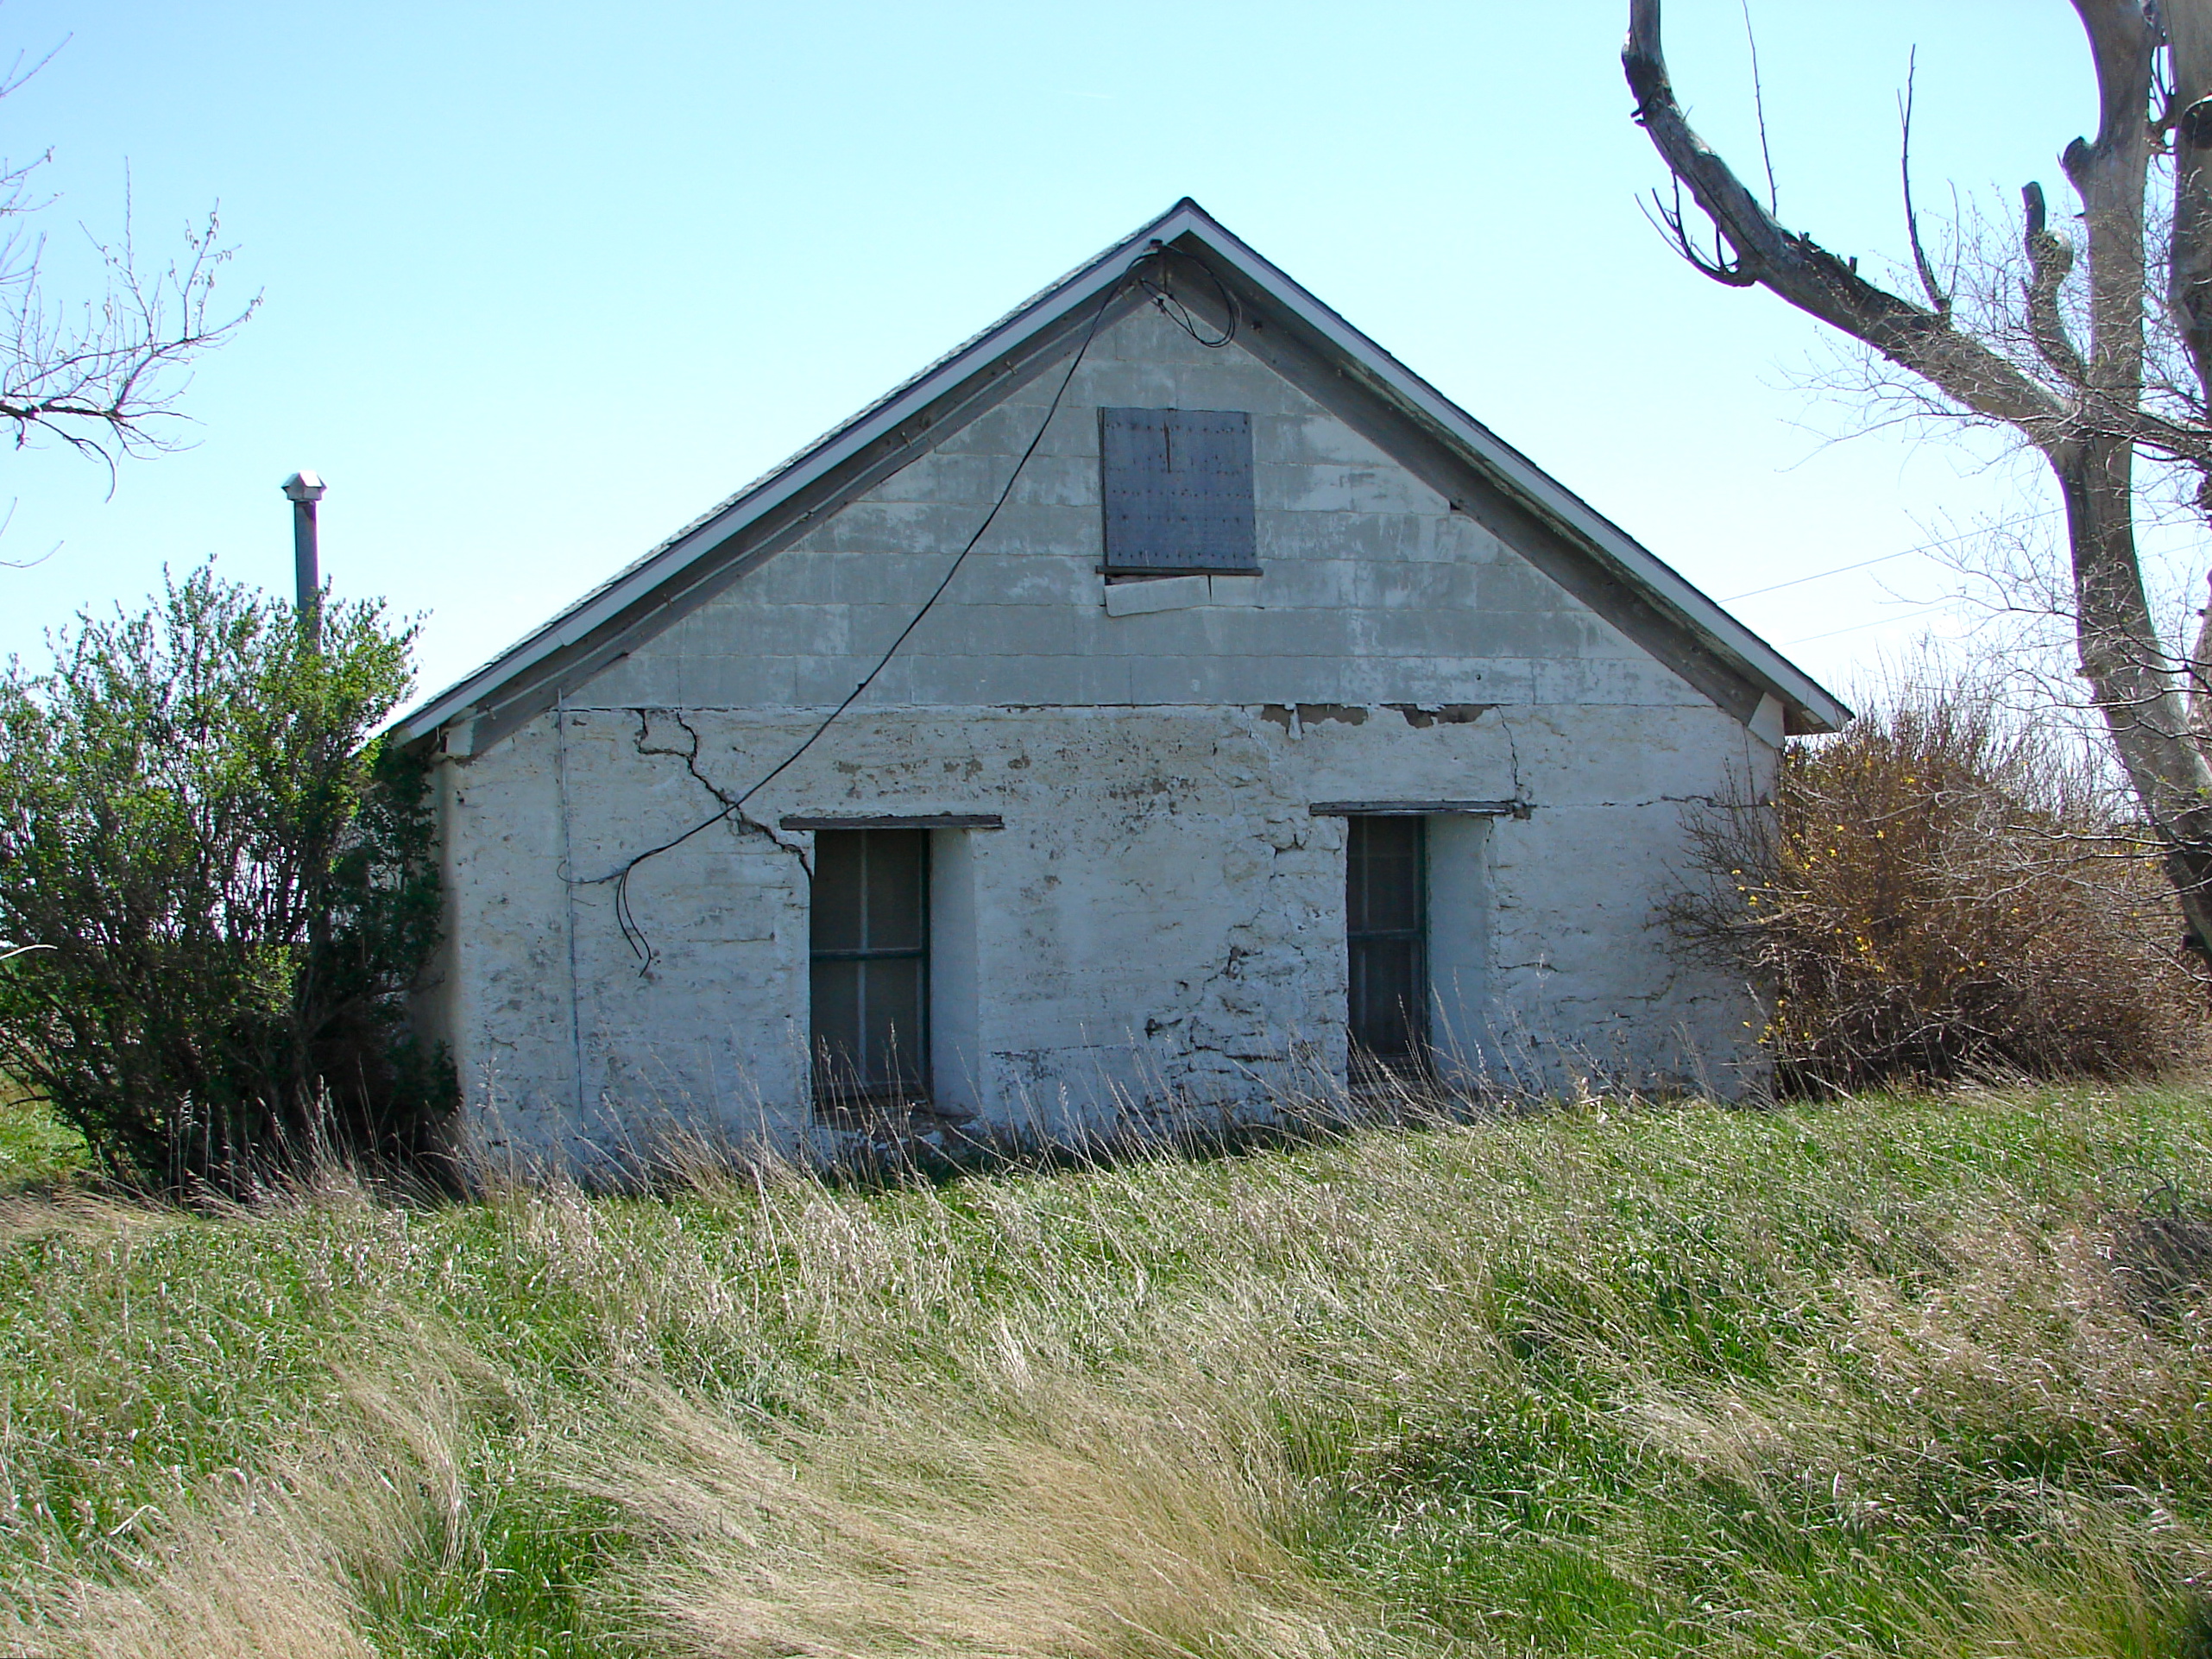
<point x="1720" y="631"/>
<point x="1705" y="615"/>
<point x="703" y="535"/>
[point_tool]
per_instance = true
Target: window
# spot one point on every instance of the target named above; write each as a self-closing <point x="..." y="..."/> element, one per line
<point x="869" y="965"/>
<point x="1385" y="909"/>
<point x="1177" y="487"/>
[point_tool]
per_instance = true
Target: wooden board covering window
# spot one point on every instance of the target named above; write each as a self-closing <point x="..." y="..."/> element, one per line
<point x="1177" y="488"/>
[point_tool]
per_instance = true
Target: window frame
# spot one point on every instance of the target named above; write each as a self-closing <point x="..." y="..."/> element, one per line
<point x="1416" y="1017"/>
<point x="910" y="1079"/>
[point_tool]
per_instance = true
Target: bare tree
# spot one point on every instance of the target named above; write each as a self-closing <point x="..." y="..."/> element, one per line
<point x="2070" y="344"/>
<point x="101" y="374"/>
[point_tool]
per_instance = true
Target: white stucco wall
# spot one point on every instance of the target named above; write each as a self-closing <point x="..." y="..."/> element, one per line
<point x="1162" y="917"/>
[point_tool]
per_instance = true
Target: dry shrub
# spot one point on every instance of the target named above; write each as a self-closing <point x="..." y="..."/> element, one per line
<point x="1939" y="893"/>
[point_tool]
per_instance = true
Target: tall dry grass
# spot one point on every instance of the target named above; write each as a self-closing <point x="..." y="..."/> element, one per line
<point x="1071" y="1524"/>
<point x="1882" y="1378"/>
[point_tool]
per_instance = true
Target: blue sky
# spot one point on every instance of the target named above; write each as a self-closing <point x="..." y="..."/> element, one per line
<point x="541" y="283"/>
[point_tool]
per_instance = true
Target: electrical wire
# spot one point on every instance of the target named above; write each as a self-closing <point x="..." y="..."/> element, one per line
<point x="734" y="806"/>
<point x="1173" y="309"/>
<point x="1861" y="627"/>
<point x="1884" y="558"/>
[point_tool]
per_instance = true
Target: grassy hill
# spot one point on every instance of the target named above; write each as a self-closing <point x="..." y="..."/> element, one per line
<point x="1888" y="1377"/>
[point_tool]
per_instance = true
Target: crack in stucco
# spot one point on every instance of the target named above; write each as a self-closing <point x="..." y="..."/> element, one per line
<point x="1513" y="758"/>
<point x="733" y="805"/>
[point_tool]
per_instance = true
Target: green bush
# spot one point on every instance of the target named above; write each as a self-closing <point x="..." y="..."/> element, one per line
<point x="230" y="878"/>
<point x="1938" y="893"/>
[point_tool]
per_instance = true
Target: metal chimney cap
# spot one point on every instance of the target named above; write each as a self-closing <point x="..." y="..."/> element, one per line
<point x="304" y="486"/>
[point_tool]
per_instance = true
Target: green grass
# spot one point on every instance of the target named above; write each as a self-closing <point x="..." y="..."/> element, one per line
<point x="35" y="1151"/>
<point x="1883" y="1376"/>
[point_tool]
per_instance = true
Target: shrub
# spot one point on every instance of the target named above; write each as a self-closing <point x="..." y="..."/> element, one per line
<point x="230" y="876"/>
<point x="1937" y="893"/>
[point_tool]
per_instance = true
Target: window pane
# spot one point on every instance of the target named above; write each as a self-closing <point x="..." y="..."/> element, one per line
<point x="836" y="1015"/>
<point x="1386" y="996"/>
<point x="1383" y="866"/>
<point x="898" y="860"/>
<point x="892" y="1004"/>
<point x="838" y="863"/>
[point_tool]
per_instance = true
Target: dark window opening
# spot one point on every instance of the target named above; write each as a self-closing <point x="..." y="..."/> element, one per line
<point x="1386" y="917"/>
<point x="1177" y="488"/>
<point x="869" y="965"/>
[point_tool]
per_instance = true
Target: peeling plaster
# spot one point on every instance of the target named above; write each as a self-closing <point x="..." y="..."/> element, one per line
<point x="1422" y="717"/>
<point x="1162" y="917"/>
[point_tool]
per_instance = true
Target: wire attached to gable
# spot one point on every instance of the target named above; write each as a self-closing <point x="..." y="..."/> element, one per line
<point x="625" y="916"/>
<point x="1163" y="298"/>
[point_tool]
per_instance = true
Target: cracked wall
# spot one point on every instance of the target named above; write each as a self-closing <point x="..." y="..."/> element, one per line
<point x="1162" y="916"/>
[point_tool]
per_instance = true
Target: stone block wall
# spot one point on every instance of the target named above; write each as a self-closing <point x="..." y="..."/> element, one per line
<point x="1161" y="919"/>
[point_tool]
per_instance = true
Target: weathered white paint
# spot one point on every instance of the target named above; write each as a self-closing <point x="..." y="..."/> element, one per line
<point x="958" y="1071"/>
<point x="1767" y="722"/>
<point x="1461" y="1010"/>
<point x="1160" y="923"/>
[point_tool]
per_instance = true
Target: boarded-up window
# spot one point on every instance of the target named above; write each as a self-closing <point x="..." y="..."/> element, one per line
<point x="1385" y="915"/>
<point x="1177" y="485"/>
<point x="870" y="964"/>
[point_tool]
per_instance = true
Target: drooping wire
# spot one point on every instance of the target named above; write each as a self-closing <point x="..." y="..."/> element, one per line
<point x="734" y="806"/>
<point x="1173" y="309"/>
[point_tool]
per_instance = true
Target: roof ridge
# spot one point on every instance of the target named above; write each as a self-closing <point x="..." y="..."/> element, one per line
<point x="1400" y="387"/>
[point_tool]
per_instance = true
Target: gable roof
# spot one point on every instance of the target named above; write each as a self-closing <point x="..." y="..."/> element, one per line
<point x="1590" y="554"/>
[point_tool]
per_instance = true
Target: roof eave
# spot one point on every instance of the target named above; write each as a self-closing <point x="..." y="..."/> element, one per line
<point x="1814" y="706"/>
<point x="1069" y="295"/>
<point x="1729" y="638"/>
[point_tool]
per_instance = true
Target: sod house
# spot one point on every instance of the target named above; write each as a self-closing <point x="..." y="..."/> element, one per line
<point x="1165" y="700"/>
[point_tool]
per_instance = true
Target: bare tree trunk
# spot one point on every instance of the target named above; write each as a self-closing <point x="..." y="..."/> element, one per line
<point x="2087" y="425"/>
<point x="2128" y="670"/>
<point x="2189" y="273"/>
<point x="2120" y="658"/>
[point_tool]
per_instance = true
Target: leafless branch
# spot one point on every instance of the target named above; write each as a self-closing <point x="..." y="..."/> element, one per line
<point x="1667" y="219"/>
<point x="1806" y="274"/>
<point x="1937" y="296"/>
<point x="103" y="375"/>
<point x="2051" y="259"/>
<point x="1759" y="108"/>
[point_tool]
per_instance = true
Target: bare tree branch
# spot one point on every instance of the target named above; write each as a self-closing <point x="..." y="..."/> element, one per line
<point x="2051" y="261"/>
<point x="103" y="375"/>
<point x="1759" y="107"/>
<point x="1815" y="280"/>
<point x="1668" y="219"/>
<point x="1937" y="296"/>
